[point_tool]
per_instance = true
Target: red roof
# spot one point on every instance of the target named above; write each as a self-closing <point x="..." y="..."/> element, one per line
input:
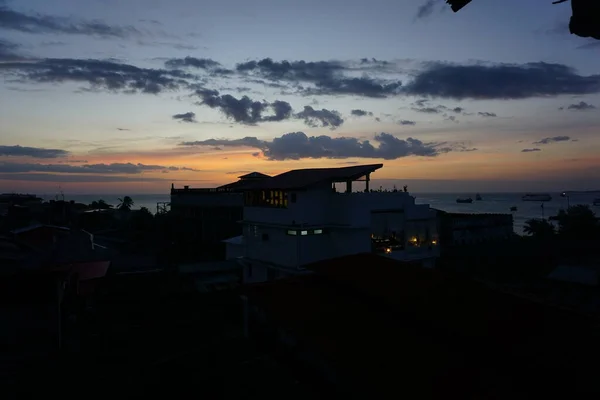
<point x="303" y="178"/>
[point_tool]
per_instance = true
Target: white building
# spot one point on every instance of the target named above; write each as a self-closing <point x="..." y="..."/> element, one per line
<point x="298" y="217"/>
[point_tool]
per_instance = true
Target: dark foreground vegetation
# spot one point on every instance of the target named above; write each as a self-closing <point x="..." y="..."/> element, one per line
<point x="151" y="334"/>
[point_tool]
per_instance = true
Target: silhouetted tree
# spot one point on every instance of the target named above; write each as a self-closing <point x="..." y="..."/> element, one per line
<point x="142" y="220"/>
<point x="539" y="228"/>
<point x="100" y="205"/>
<point x="578" y="222"/>
<point x="125" y="203"/>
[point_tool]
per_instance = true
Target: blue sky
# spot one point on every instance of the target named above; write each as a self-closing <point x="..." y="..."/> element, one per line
<point x="135" y="95"/>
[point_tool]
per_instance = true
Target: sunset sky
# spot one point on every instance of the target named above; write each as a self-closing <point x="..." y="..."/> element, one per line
<point x="113" y="96"/>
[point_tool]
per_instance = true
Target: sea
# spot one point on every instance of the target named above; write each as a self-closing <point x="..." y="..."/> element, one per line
<point x="490" y="203"/>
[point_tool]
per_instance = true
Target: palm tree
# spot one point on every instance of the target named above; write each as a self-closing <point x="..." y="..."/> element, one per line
<point x="538" y="228"/>
<point x="578" y="221"/>
<point x="125" y="203"/>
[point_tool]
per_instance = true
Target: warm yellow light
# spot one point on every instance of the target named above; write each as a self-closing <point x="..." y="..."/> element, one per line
<point x="413" y="239"/>
<point x="388" y="250"/>
<point x="434" y="242"/>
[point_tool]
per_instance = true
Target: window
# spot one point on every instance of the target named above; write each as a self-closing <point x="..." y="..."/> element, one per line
<point x="293" y="197"/>
<point x="293" y="232"/>
<point x="252" y="230"/>
<point x="266" y="198"/>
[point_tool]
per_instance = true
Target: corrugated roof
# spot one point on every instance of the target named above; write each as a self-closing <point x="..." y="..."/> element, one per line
<point x="303" y="178"/>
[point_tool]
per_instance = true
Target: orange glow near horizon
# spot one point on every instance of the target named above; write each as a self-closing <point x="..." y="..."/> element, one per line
<point x="220" y="167"/>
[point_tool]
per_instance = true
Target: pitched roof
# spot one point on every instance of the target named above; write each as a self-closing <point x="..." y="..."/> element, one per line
<point x="254" y="175"/>
<point x="303" y="178"/>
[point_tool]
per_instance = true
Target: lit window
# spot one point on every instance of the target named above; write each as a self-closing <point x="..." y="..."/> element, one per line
<point x="303" y="233"/>
<point x="292" y="232"/>
<point x="318" y="231"/>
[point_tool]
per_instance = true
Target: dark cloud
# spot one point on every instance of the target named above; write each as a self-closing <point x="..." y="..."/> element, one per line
<point x="581" y="106"/>
<point x="36" y="152"/>
<point x="59" y="178"/>
<point x="297" y="145"/>
<point x="361" y="113"/>
<point x="186" y="117"/>
<point x="114" y="168"/>
<point x="123" y="129"/>
<point x="202" y="63"/>
<point x="426" y="9"/>
<point x="327" y="77"/>
<point x="428" y="110"/>
<point x="500" y="81"/>
<point x="8" y="51"/>
<point x="38" y="23"/>
<point x="244" y="109"/>
<point x="451" y="118"/>
<point x="189" y="169"/>
<point x="99" y="74"/>
<point x="423" y="106"/>
<point x="323" y="117"/>
<point x="486" y="114"/>
<point x="553" y="139"/>
<point x="406" y="122"/>
<point x="530" y="150"/>
<point x="461" y="147"/>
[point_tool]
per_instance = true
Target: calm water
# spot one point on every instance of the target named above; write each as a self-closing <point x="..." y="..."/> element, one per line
<point x="491" y="203"/>
<point x="501" y="203"/>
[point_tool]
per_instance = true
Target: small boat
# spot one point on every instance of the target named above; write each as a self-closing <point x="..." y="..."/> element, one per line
<point x="597" y="202"/>
<point x="513" y="208"/>
<point x="536" y="197"/>
<point x="463" y="200"/>
<point x="478" y="197"/>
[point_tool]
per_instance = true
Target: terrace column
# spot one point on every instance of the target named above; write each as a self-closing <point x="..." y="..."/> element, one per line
<point x="348" y="186"/>
<point x="367" y="179"/>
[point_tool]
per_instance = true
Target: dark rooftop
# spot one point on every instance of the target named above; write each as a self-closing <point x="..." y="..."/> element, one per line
<point x="254" y="175"/>
<point x="399" y="327"/>
<point x="303" y="178"/>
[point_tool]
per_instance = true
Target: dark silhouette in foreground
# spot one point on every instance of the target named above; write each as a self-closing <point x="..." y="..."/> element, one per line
<point x="585" y="19"/>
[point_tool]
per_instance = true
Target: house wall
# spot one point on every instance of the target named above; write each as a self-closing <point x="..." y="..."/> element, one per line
<point x="311" y="208"/>
<point x="476" y="228"/>
<point x="234" y="251"/>
<point x="347" y="221"/>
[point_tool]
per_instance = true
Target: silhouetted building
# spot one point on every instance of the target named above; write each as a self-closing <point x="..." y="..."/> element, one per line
<point x="46" y="272"/>
<point x="299" y="217"/>
<point x="467" y="229"/>
<point x="212" y="214"/>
